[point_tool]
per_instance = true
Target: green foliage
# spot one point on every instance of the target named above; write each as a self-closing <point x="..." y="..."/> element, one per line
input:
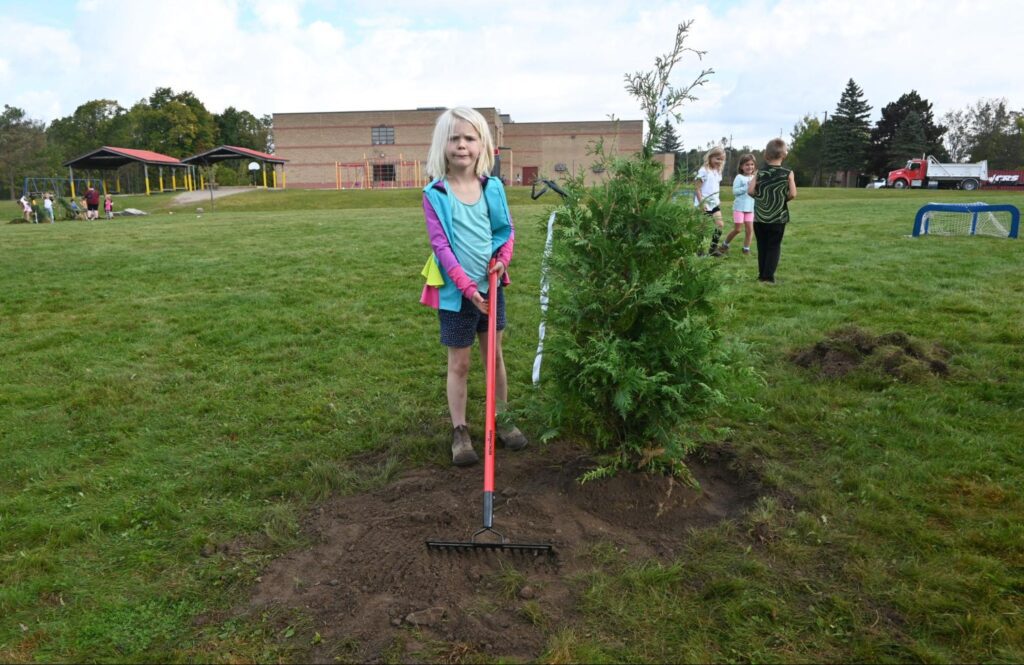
<point x="910" y="139"/>
<point x="23" y="149"/>
<point x="169" y="122"/>
<point x="847" y="135"/>
<point x="633" y="332"/>
<point x="93" y="124"/>
<point x="883" y="155"/>
<point x="658" y="98"/>
<point x="805" y="151"/>
<point x="987" y="130"/>
<point x="243" y="129"/>
<point x="631" y="353"/>
<point x="669" y="141"/>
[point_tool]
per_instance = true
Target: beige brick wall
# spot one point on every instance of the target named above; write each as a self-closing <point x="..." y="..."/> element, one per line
<point x="550" y="146"/>
<point x="331" y="148"/>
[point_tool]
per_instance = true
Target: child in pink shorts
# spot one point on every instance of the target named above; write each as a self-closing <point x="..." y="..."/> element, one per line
<point x="743" y="205"/>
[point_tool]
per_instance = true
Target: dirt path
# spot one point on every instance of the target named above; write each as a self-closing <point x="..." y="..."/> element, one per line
<point x="201" y="195"/>
<point x="373" y="591"/>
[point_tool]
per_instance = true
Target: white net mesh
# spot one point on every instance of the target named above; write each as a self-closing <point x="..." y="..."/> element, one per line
<point x="968" y="222"/>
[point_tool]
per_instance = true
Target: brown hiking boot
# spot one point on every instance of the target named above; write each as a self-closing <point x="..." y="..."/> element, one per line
<point x="510" y="437"/>
<point x="462" y="448"/>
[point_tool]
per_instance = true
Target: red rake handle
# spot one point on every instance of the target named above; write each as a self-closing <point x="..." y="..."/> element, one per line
<point x="489" y="412"/>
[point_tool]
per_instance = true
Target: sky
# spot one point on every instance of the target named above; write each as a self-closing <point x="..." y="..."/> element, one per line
<point x="774" y="61"/>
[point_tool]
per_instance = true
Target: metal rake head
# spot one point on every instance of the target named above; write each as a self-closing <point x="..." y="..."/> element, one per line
<point x="501" y="544"/>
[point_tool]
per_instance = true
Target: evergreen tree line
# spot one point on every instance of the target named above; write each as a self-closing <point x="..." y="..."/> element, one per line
<point x="171" y="123"/>
<point x="842" y="145"/>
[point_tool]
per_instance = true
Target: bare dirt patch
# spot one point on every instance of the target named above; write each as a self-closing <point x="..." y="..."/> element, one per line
<point x="895" y="354"/>
<point x="373" y="591"/>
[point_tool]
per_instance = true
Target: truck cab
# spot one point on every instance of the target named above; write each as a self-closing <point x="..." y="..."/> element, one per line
<point x="911" y="175"/>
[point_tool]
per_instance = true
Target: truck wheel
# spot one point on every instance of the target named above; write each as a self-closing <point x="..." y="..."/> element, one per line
<point x="900" y="184"/>
<point x="969" y="185"/>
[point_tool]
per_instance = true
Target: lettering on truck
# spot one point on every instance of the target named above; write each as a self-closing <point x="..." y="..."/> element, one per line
<point x="996" y="179"/>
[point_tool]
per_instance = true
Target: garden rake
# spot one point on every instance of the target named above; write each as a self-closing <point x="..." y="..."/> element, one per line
<point x="487" y="538"/>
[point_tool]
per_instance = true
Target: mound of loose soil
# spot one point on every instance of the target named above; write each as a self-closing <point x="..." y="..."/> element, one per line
<point x="896" y="355"/>
<point x="374" y="591"/>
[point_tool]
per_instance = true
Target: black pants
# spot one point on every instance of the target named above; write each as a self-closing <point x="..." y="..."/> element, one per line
<point x="769" y="248"/>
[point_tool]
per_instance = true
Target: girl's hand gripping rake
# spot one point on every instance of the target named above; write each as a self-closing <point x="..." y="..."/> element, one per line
<point x="487" y="538"/>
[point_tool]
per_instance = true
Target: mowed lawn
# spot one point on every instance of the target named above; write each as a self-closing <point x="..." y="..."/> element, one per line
<point x="176" y="391"/>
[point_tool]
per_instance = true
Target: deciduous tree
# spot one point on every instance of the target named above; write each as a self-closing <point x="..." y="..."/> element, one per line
<point x="23" y="150"/>
<point x="805" y="155"/>
<point x="882" y="155"/>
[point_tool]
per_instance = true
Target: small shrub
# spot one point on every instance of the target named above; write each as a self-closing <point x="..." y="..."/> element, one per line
<point x="633" y="349"/>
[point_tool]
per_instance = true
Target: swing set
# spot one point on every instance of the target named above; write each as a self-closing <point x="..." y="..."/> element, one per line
<point x="379" y="174"/>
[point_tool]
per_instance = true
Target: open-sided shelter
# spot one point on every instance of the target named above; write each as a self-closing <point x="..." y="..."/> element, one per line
<point x="109" y="158"/>
<point x="224" y="153"/>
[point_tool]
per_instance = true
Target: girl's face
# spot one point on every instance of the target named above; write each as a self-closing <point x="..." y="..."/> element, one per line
<point x="463" y="149"/>
<point x="747" y="168"/>
<point x="717" y="161"/>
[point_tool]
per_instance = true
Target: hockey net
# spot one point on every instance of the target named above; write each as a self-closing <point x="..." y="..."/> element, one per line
<point x="967" y="219"/>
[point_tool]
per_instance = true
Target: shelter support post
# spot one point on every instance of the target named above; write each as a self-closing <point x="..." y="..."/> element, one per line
<point x="264" y="169"/>
<point x="161" y="178"/>
<point x="145" y="175"/>
<point x="71" y="178"/>
<point x="274" y="174"/>
<point x="284" y="178"/>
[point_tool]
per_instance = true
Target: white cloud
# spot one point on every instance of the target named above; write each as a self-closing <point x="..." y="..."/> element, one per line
<point x="278" y="15"/>
<point x="774" y="60"/>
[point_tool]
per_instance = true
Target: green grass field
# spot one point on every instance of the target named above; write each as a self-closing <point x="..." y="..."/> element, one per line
<point x="172" y="384"/>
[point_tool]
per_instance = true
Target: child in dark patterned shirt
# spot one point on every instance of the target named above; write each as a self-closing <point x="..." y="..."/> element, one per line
<point x="773" y="187"/>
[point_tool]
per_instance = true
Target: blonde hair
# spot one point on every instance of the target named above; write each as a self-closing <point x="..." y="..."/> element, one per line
<point x="437" y="162"/>
<point x="775" y="149"/>
<point x="744" y="158"/>
<point x="717" y="150"/>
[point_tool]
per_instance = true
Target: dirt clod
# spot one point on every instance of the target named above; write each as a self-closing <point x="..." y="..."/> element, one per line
<point x="896" y="355"/>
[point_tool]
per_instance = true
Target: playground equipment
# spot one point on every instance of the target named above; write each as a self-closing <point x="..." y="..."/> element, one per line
<point x="224" y="153"/>
<point x="379" y="173"/>
<point x="967" y="219"/>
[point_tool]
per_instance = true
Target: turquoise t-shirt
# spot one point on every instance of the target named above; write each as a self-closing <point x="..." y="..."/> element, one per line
<point x="471" y="226"/>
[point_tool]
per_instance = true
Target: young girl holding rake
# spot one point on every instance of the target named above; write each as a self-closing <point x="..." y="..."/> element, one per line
<point x="469" y="223"/>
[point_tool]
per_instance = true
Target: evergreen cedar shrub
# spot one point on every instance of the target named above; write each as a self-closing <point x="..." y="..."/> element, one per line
<point x="631" y="355"/>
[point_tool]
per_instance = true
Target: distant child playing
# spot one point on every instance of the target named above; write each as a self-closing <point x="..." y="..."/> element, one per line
<point x="48" y="206"/>
<point x="743" y="204"/>
<point x="108" y="207"/>
<point x="706" y="192"/>
<point x="469" y="222"/>
<point x="773" y="187"/>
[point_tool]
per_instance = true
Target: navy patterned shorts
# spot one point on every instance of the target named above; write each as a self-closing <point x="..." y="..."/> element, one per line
<point x="458" y="329"/>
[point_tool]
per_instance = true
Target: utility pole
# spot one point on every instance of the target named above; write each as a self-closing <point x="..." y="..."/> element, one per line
<point x="821" y="152"/>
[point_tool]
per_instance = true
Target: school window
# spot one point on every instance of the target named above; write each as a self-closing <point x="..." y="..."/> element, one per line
<point x="383" y="172"/>
<point x="382" y="135"/>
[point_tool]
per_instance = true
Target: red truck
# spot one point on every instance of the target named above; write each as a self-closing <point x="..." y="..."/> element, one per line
<point x="931" y="173"/>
